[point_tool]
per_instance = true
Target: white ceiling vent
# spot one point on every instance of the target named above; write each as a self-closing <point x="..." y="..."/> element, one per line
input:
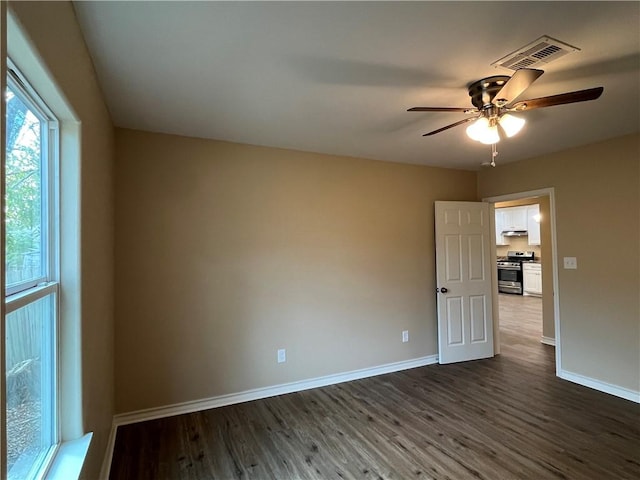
<point x="541" y="51"/>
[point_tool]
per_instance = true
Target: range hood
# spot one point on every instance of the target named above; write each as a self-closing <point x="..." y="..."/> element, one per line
<point x="515" y="233"/>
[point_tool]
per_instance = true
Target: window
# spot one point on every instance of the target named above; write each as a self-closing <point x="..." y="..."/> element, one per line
<point x="31" y="276"/>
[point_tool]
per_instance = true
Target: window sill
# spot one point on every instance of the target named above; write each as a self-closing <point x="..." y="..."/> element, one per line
<point x="69" y="459"/>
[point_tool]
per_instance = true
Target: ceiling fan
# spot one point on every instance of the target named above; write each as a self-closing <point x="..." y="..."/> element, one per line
<point x="494" y="98"/>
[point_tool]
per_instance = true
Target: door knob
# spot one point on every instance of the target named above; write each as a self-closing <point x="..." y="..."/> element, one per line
<point x="443" y="290"/>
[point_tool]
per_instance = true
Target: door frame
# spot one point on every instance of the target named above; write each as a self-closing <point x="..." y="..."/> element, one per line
<point x="549" y="192"/>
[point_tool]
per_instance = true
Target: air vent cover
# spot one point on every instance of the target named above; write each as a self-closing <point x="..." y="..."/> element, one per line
<point x="541" y="51"/>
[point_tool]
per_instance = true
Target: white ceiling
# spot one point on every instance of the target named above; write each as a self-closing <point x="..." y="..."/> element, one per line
<point x="338" y="77"/>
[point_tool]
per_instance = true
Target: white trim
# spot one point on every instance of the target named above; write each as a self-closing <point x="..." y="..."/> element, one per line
<point x="601" y="386"/>
<point x="49" y="165"/>
<point x="68" y="461"/>
<point x="259" y="393"/>
<point x="105" y="470"/>
<point x="548" y="341"/>
<point x="495" y="305"/>
<point x="26" y="297"/>
<point x="550" y="192"/>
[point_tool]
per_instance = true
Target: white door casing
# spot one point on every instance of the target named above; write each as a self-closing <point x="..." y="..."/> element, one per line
<point x="463" y="276"/>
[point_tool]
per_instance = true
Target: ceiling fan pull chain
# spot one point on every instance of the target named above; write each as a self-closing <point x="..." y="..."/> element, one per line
<point x="494" y="154"/>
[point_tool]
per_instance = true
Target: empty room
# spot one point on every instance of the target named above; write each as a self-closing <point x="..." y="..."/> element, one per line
<point x="321" y="240"/>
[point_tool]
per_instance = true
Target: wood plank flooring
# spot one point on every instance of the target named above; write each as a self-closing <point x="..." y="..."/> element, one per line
<point x="521" y="328"/>
<point x="507" y="417"/>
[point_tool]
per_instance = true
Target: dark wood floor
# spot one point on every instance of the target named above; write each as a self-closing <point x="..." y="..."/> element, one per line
<point x="503" y="418"/>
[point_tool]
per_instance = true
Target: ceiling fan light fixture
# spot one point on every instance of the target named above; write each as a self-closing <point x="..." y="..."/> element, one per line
<point x="474" y="130"/>
<point x="483" y="131"/>
<point x="510" y="124"/>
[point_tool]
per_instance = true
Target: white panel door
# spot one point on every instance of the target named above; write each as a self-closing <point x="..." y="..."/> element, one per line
<point x="463" y="265"/>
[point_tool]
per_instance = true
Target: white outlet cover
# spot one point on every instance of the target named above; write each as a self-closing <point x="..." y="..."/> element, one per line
<point x="570" y="263"/>
<point x="282" y="355"/>
<point x="405" y="336"/>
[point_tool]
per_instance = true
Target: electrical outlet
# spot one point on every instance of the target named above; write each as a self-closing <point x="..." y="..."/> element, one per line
<point x="405" y="336"/>
<point x="570" y="263"/>
<point x="282" y="355"/>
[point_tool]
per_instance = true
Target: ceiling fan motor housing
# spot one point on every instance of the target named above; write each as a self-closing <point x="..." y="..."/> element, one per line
<point x="484" y="91"/>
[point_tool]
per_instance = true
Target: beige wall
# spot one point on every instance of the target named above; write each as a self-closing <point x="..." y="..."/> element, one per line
<point x="87" y="208"/>
<point x="227" y="252"/>
<point x="597" y="190"/>
<point x="546" y="254"/>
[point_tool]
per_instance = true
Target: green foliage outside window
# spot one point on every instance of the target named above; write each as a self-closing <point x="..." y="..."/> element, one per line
<point x="23" y="193"/>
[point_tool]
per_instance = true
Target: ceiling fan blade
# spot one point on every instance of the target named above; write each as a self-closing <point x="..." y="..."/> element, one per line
<point x="440" y="109"/>
<point x="518" y="83"/>
<point x="561" y="99"/>
<point x="450" y="126"/>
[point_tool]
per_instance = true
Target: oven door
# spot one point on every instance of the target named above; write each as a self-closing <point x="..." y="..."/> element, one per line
<point x="510" y="287"/>
<point x="510" y="280"/>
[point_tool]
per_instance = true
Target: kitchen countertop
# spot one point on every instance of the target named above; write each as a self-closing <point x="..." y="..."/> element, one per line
<point x="504" y="259"/>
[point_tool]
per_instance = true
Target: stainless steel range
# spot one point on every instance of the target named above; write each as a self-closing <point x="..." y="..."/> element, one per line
<point x="510" y="271"/>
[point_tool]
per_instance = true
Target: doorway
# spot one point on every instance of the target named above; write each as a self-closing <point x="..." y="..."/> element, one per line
<point x="529" y="315"/>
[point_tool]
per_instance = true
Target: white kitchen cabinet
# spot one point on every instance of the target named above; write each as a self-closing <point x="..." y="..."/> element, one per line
<point x="500" y="239"/>
<point x="533" y="224"/>
<point x="532" y="279"/>
<point x="515" y="218"/>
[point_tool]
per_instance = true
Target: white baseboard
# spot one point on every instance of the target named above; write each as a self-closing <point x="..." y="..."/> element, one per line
<point x="258" y="393"/>
<point x="615" y="390"/>
<point x="105" y="470"/>
<point x="548" y="341"/>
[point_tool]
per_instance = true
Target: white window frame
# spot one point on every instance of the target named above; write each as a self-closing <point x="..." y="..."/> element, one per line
<point x="24" y="293"/>
<point x="49" y="146"/>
